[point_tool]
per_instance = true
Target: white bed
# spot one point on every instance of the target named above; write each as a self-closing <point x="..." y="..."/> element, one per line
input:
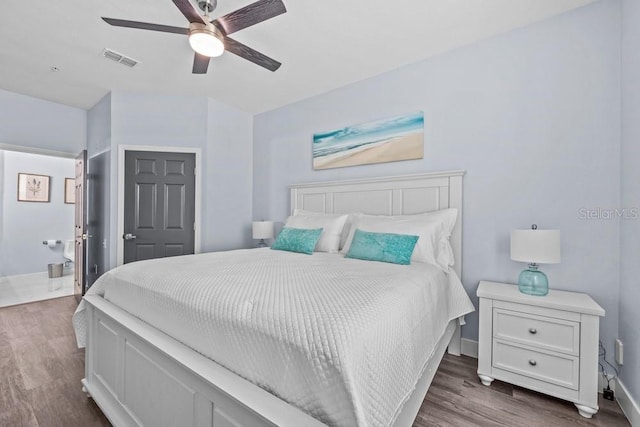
<point x="139" y="375"/>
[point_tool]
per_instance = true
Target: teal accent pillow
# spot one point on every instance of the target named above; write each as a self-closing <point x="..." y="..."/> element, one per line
<point x="300" y="240"/>
<point x="385" y="247"/>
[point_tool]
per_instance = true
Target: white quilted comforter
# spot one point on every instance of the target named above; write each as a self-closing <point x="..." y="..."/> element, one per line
<point x="344" y="340"/>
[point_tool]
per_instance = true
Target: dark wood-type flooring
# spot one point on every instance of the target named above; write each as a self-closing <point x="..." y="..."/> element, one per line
<point x="456" y="398"/>
<point x="41" y="368"/>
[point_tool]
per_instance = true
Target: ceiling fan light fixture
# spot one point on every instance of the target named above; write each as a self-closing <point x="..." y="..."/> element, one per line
<point x="205" y="39"/>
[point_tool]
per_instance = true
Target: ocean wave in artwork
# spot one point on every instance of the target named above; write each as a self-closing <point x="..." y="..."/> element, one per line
<point x="349" y="140"/>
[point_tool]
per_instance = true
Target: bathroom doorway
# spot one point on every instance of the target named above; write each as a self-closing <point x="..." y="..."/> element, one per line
<point x="37" y="205"/>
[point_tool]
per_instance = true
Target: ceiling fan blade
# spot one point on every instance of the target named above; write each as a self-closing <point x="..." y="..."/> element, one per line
<point x="189" y="12"/>
<point x="200" y="63"/>
<point x="145" y="26"/>
<point x="249" y="54"/>
<point x="250" y="15"/>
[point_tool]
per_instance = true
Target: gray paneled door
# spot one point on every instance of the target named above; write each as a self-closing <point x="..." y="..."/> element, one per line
<point x="159" y="204"/>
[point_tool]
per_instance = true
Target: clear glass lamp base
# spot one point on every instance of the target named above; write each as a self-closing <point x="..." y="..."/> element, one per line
<point x="533" y="282"/>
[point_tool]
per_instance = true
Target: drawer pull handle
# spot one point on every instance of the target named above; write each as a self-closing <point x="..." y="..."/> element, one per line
<point x="533" y="331"/>
<point x="533" y="362"/>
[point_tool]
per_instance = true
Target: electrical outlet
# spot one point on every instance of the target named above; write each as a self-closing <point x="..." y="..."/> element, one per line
<point x="619" y="348"/>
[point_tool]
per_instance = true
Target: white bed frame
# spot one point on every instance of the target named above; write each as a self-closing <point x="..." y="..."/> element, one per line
<point x="139" y="376"/>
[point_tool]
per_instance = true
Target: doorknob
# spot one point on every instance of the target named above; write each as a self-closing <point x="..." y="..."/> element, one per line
<point x="129" y="236"/>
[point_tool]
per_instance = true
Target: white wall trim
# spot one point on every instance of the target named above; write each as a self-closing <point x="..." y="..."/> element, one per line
<point x="469" y="348"/>
<point x="629" y="406"/>
<point x="41" y="151"/>
<point x="120" y="201"/>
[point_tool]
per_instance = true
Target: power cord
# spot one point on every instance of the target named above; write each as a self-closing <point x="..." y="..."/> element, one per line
<point x="607" y="393"/>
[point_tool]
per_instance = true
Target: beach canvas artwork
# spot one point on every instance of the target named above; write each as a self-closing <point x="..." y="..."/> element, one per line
<point x="388" y="140"/>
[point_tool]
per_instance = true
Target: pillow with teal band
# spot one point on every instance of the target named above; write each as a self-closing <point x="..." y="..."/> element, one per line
<point x="300" y="240"/>
<point x="385" y="247"/>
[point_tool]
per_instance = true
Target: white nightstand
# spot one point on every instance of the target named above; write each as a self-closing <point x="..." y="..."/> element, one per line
<point x="548" y="344"/>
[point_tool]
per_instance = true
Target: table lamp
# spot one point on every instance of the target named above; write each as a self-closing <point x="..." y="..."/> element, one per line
<point x="262" y="230"/>
<point x="535" y="247"/>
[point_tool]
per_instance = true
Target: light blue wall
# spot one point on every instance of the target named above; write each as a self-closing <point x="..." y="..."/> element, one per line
<point x="164" y="120"/>
<point x="630" y="229"/>
<point x="99" y="127"/>
<point x="228" y="173"/>
<point x="532" y="116"/>
<point x="222" y="133"/>
<point x="152" y="120"/>
<point x="35" y="123"/>
<point x="32" y="123"/>
<point x="24" y="224"/>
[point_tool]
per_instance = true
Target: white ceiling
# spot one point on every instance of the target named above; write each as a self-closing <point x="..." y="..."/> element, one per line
<point x="322" y="45"/>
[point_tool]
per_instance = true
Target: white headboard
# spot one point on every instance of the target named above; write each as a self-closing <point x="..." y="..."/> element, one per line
<point x="396" y="195"/>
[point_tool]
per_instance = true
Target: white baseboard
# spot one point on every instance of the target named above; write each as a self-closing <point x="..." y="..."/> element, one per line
<point x="629" y="406"/>
<point x="469" y="348"/>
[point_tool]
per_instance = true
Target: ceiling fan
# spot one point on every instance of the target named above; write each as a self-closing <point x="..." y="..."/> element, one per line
<point x="210" y="37"/>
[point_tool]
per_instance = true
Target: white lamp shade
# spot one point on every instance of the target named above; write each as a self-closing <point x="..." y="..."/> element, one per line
<point x="263" y="229"/>
<point x="536" y="246"/>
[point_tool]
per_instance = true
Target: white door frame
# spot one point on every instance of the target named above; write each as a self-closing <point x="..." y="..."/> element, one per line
<point x="120" y="207"/>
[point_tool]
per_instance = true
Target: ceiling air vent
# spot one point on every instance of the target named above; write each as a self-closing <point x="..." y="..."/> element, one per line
<point x="119" y="58"/>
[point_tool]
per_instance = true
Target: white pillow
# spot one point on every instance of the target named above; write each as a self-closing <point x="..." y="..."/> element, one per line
<point x="433" y="228"/>
<point x="331" y="225"/>
<point x="345" y="229"/>
<point x="445" y="251"/>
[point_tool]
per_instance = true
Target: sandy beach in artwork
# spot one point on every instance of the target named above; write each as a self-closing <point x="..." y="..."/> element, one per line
<point x="405" y="147"/>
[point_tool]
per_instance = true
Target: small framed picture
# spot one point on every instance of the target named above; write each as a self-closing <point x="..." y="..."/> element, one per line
<point x="33" y="188"/>
<point x="69" y="190"/>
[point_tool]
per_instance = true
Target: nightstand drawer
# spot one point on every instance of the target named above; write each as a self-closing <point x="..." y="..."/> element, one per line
<point x="558" y="369"/>
<point x="538" y="331"/>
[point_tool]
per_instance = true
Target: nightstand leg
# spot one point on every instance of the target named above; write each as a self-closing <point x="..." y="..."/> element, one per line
<point x="485" y="380"/>
<point x="586" y="411"/>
